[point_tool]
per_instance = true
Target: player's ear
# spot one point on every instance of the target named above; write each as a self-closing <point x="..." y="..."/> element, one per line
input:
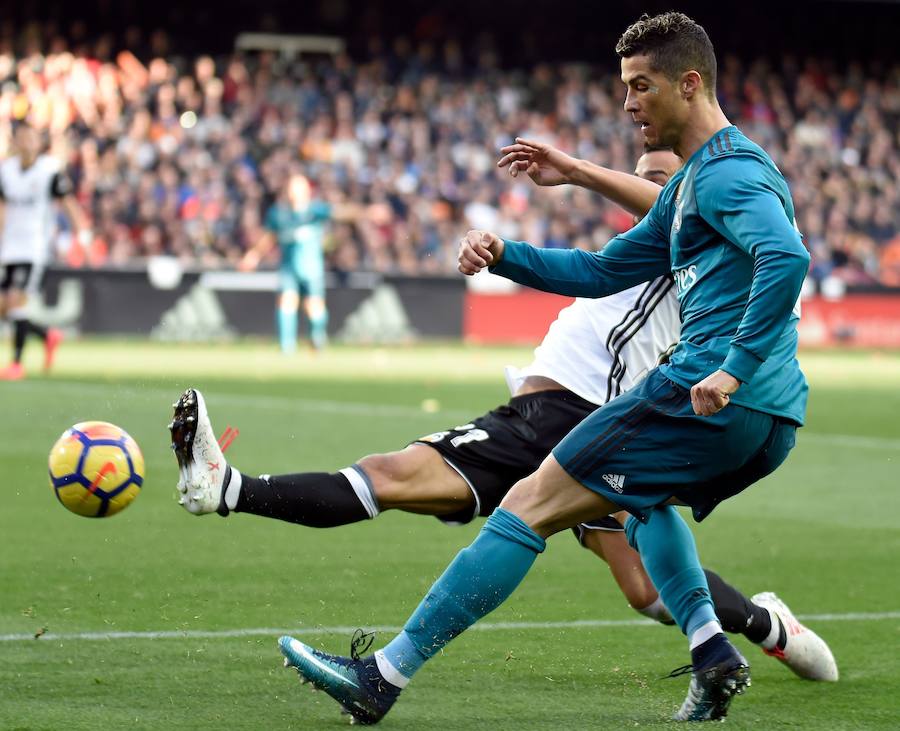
<point x="690" y="83"/>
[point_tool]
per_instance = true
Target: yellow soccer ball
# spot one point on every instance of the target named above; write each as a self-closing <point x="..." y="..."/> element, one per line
<point x="96" y="469"/>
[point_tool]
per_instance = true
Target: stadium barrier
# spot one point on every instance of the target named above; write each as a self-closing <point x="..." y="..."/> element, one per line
<point x="865" y="320"/>
<point x="166" y="303"/>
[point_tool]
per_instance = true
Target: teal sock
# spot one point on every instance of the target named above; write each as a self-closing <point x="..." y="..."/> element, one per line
<point x="287" y="329"/>
<point x="318" y="331"/>
<point x="478" y="581"/>
<point x="669" y="555"/>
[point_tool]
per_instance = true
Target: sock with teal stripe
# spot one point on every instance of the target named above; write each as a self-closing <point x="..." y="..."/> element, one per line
<point x="478" y="581"/>
<point x="669" y="555"/>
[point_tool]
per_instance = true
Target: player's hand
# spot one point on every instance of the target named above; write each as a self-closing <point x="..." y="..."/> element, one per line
<point x="249" y="261"/>
<point x="544" y="164"/>
<point x="479" y="249"/>
<point x="713" y="393"/>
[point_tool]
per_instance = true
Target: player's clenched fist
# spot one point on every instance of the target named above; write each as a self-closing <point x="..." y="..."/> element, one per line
<point x="479" y="249"/>
<point x="713" y="393"/>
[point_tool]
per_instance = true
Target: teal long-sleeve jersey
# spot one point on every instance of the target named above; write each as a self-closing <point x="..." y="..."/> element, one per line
<point x="724" y="226"/>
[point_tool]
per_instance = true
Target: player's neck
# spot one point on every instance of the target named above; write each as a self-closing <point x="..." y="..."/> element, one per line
<point x="26" y="161"/>
<point x="706" y="121"/>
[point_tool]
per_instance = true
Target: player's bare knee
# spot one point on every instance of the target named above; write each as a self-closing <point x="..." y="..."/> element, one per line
<point x="385" y="471"/>
<point x="315" y="306"/>
<point x="289" y="301"/>
<point x="531" y="499"/>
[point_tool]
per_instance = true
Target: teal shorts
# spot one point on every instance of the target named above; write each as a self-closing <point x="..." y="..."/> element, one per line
<point x="647" y="446"/>
<point x="307" y="280"/>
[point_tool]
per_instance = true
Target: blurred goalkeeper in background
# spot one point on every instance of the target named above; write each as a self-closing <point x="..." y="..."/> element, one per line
<point x="297" y="223"/>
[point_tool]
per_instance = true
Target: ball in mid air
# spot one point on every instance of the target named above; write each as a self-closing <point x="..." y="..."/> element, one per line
<point x="96" y="469"/>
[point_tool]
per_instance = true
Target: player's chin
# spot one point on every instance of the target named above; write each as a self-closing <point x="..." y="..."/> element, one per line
<point x="650" y="136"/>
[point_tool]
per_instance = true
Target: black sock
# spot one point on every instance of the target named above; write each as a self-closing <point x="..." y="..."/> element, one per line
<point x="38" y="330"/>
<point x="316" y="499"/>
<point x="20" y="330"/>
<point x="736" y="612"/>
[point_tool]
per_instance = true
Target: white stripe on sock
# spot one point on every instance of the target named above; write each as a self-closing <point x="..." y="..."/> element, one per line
<point x="360" y="484"/>
<point x="233" y="489"/>
<point x="705" y="632"/>
<point x="389" y="672"/>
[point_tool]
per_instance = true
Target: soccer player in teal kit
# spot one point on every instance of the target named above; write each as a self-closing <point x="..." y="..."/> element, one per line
<point x="296" y="222"/>
<point x="720" y="416"/>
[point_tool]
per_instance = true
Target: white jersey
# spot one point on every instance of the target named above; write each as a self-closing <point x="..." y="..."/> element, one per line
<point x="28" y="208"/>
<point x="598" y="348"/>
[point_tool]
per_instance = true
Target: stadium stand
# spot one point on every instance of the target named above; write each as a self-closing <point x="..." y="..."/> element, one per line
<point x="179" y="155"/>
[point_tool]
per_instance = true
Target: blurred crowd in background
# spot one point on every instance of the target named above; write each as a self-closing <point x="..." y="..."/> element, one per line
<point x="181" y="155"/>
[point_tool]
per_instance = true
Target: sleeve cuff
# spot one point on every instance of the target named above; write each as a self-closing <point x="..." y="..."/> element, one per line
<point x="509" y="256"/>
<point x="741" y="363"/>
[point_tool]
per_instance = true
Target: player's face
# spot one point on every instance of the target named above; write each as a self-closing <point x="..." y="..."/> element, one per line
<point x="653" y="101"/>
<point x="28" y="142"/>
<point x="299" y="192"/>
<point x="657" y="166"/>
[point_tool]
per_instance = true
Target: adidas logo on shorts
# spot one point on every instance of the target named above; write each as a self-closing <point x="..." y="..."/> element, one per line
<point x="616" y="482"/>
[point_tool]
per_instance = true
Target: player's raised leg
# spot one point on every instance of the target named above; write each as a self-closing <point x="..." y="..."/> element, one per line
<point x="415" y="479"/>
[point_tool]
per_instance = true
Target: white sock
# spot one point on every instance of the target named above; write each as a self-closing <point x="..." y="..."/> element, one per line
<point x="657" y="610"/>
<point x="705" y="632"/>
<point x="389" y="672"/>
<point x="772" y="638"/>
<point x="233" y="489"/>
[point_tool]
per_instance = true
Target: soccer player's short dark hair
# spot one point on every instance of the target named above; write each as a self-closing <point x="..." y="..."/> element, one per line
<point x="674" y="44"/>
<point x="658" y="148"/>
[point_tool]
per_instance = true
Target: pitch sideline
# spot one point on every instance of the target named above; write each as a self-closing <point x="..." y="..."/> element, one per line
<point x="339" y="630"/>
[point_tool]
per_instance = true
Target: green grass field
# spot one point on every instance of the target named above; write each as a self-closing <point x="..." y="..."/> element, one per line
<point x="824" y="532"/>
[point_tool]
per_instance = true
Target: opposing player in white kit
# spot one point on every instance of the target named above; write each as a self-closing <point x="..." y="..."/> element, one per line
<point x="595" y="350"/>
<point x="29" y="183"/>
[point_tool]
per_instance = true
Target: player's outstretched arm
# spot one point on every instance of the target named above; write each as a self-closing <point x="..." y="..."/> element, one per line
<point x="255" y="253"/>
<point x="637" y="256"/>
<point x="548" y="165"/>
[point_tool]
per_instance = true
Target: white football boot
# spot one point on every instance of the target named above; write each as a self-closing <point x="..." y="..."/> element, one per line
<point x="201" y="464"/>
<point x="803" y="651"/>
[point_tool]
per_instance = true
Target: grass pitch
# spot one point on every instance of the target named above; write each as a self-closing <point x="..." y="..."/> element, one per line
<point x="824" y="532"/>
